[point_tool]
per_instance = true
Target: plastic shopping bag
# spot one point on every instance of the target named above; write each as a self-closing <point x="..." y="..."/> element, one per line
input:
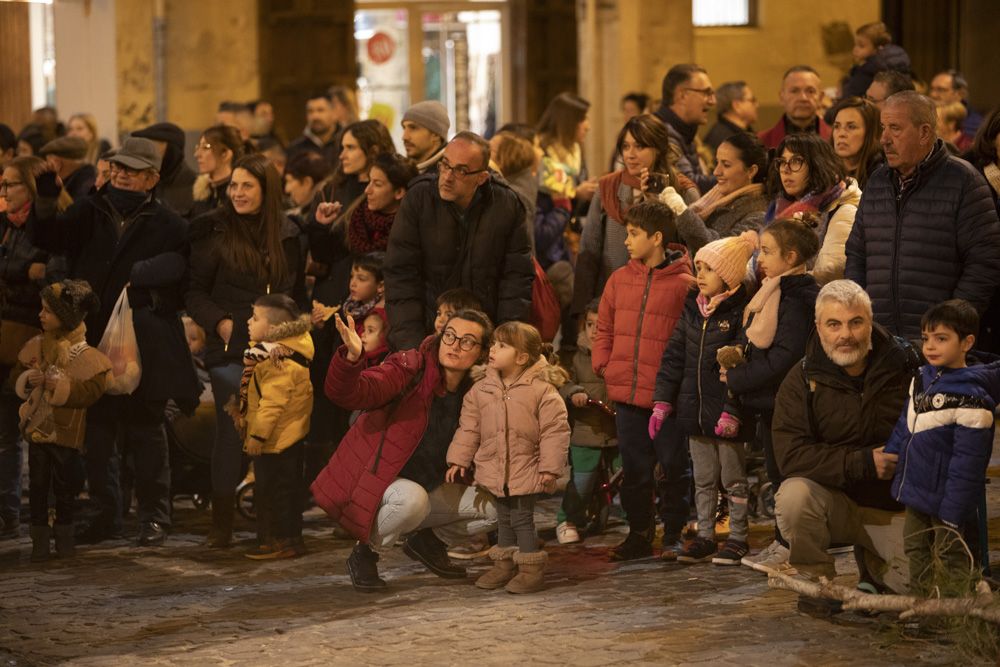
<point x="120" y="346"/>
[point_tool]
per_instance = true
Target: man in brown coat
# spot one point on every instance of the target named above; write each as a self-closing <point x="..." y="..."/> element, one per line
<point x="833" y="415"/>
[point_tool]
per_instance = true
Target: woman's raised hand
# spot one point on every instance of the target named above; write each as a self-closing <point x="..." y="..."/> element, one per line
<point x="328" y="211"/>
<point x="348" y="334"/>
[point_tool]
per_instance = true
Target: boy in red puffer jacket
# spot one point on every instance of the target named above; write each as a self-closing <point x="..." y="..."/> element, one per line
<point x="641" y="304"/>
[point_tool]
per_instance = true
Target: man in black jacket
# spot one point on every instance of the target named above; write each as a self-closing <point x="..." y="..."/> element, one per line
<point x="687" y="98"/>
<point x="461" y="227"/>
<point x="833" y="415"/>
<point x="122" y="237"/>
<point x="926" y="229"/>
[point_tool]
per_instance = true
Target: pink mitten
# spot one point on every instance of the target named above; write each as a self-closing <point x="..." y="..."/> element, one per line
<point x="728" y="426"/>
<point x="660" y="412"/>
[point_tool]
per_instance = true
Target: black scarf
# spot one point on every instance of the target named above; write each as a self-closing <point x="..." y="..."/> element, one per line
<point x="126" y="202"/>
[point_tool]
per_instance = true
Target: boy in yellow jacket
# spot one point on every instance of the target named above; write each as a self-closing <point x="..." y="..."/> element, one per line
<point x="275" y="402"/>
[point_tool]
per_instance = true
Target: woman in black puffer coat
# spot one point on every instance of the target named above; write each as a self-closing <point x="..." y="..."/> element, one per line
<point x="244" y="249"/>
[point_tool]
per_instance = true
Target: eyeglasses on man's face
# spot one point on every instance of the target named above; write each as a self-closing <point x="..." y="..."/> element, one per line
<point x="465" y="342"/>
<point x="461" y="171"/>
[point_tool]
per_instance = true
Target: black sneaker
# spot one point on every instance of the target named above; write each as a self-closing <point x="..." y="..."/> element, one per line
<point x="698" y="550"/>
<point x="732" y="553"/>
<point x="362" y="566"/>
<point x="95" y="533"/>
<point x="425" y="547"/>
<point x="634" y="547"/>
<point x="151" y="534"/>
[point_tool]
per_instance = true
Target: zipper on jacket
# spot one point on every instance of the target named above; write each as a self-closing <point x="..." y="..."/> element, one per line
<point x="701" y="351"/>
<point x="506" y="439"/>
<point x="894" y="277"/>
<point x="638" y="336"/>
<point x="905" y="450"/>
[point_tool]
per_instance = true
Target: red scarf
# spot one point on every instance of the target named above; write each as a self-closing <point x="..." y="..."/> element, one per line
<point x="609" y="186"/>
<point x="20" y="216"/>
<point x="368" y="230"/>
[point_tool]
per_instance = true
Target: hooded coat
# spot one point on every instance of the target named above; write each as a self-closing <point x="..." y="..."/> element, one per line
<point x="944" y="439"/>
<point x="513" y="433"/>
<point x="280" y="395"/>
<point x="639" y="309"/>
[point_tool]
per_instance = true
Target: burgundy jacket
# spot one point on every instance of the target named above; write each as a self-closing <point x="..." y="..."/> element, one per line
<point x="772" y="138"/>
<point x="397" y="400"/>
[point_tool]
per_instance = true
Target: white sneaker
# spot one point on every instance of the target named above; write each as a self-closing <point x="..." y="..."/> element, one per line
<point x="566" y="533"/>
<point x="769" y="558"/>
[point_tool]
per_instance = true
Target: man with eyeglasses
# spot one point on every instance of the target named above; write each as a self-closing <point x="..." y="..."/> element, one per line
<point x="926" y="229"/>
<point x="386" y="479"/>
<point x="462" y="226"/>
<point x="951" y="86"/>
<point x="885" y="84"/>
<point x="119" y="237"/>
<point x="737" y="108"/>
<point x="800" y="95"/>
<point x="688" y="96"/>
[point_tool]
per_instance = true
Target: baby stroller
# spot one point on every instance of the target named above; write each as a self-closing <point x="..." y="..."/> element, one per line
<point x="190" y="440"/>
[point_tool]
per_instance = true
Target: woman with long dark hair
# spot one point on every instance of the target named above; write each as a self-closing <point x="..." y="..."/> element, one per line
<point x="857" y="127"/>
<point x="807" y="176"/>
<point x="644" y="147"/>
<point x="218" y="149"/>
<point x="242" y="250"/>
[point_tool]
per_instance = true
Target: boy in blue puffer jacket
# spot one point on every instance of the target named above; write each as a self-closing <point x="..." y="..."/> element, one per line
<point x="944" y="440"/>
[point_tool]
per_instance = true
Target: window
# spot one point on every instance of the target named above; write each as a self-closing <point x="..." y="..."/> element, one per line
<point x="713" y="13"/>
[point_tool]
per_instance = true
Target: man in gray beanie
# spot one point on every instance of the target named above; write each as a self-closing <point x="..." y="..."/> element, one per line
<point x="425" y="132"/>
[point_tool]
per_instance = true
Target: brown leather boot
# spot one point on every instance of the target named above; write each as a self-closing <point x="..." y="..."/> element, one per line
<point x="503" y="569"/>
<point x="220" y="535"/>
<point x="530" y="572"/>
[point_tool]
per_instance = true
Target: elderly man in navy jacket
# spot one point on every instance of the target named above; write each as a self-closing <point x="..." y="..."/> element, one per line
<point x="926" y="230"/>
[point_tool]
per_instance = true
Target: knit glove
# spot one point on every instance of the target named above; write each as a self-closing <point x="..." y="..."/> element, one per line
<point x="728" y="426"/>
<point x="673" y="200"/>
<point x="660" y="412"/>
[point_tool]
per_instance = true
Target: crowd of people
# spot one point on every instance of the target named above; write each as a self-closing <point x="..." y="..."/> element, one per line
<point x="424" y="344"/>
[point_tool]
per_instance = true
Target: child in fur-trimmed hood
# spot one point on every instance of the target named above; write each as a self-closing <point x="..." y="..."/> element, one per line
<point x="58" y="376"/>
<point x="275" y="403"/>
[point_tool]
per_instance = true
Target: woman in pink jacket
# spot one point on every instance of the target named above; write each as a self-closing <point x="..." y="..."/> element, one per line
<point x="514" y="429"/>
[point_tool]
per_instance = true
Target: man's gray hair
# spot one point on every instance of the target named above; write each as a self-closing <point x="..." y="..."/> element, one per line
<point x="921" y="108"/>
<point x="845" y="292"/>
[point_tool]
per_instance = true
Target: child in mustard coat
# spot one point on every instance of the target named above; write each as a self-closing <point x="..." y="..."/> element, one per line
<point x="276" y="400"/>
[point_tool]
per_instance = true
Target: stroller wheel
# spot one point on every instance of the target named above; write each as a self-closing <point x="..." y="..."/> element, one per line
<point x="244" y="501"/>
<point x="200" y="502"/>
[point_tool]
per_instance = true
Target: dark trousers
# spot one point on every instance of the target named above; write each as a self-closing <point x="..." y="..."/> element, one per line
<point x="51" y="467"/>
<point x="639" y="456"/>
<point x="278" y="494"/>
<point x="118" y="425"/>
<point x="227" y="451"/>
<point x="516" y="523"/>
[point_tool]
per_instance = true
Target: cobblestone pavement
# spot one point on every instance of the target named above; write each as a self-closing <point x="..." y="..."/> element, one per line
<point x="183" y="604"/>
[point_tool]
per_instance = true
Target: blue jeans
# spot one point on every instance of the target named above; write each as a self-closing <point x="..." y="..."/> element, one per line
<point x="639" y="456"/>
<point x="11" y="453"/>
<point x="227" y="454"/>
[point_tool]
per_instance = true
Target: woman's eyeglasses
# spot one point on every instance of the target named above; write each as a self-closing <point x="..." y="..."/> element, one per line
<point x="465" y="342"/>
<point x="6" y="185"/>
<point x="794" y="163"/>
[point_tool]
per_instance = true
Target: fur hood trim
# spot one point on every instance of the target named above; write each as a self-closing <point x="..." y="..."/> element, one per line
<point x="291" y="329"/>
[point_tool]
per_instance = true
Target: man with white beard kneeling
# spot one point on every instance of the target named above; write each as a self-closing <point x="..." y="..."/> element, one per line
<point x="833" y="415"/>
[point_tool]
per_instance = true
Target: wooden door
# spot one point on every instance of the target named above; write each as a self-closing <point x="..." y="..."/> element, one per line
<point x="544" y="42"/>
<point x="305" y="47"/>
<point x="15" y="74"/>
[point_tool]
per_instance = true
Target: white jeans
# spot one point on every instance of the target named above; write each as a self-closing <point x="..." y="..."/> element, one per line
<point x="455" y="512"/>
